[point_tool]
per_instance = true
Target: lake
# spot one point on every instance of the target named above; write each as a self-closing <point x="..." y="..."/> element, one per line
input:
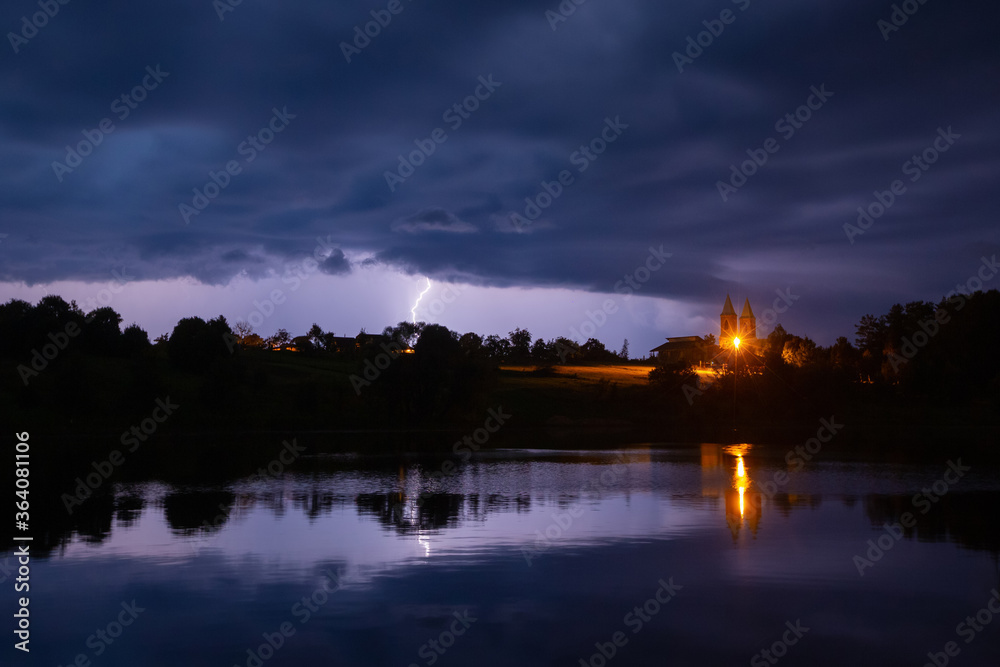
<point x="650" y="555"/>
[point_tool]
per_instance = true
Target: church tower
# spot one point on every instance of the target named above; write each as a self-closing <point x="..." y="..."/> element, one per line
<point x="748" y="323"/>
<point x="728" y="323"/>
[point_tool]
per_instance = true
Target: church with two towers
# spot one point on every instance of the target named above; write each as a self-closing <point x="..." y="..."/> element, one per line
<point x="731" y="328"/>
<point x="734" y="332"/>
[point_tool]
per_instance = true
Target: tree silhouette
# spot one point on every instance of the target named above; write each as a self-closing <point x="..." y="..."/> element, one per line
<point x="102" y="332"/>
<point x="280" y="338"/>
<point x="134" y="340"/>
<point x="472" y="345"/>
<point x="195" y="344"/>
<point x="520" y="344"/>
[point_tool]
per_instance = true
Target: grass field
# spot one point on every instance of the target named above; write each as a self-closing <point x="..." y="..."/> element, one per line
<point x="624" y="375"/>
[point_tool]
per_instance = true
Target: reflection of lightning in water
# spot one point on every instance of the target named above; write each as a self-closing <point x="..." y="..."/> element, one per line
<point x="425" y="543"/>
<point x="413" y="311"/>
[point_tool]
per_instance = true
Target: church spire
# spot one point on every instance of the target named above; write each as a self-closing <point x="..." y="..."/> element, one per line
<point x="748" y="323"/>
<point x="728" y="308"/>
<point x="728" y="324"/>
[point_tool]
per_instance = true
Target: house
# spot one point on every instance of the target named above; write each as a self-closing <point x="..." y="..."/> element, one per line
<point x="691" y="349"/>
<point x="342" y="344"/>
<point x="366" y="339"/>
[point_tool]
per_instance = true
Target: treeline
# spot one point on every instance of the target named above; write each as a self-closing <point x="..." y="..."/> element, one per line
<point x="41" y="332"/>
<point x="516" y="347"/>
<point x="946" y="349"/>
<point x="67" y="369"/>
<point x="72" y="370"/>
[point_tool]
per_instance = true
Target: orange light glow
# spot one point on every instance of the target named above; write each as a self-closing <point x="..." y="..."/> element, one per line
<point x="736" y="342"/>
<point x="742" y="481"/>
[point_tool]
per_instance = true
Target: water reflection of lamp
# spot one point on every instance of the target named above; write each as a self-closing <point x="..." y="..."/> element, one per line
<point x="741" y="480"/>
<point x="742" y="505"/>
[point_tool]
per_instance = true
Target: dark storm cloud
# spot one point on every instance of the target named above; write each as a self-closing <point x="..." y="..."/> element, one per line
<point x="335" y="264"/>
<point x="607" y="65"/>
<point x="433" y="220"/>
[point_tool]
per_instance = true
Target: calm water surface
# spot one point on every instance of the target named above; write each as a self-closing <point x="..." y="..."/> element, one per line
<point x="534" y="558"/>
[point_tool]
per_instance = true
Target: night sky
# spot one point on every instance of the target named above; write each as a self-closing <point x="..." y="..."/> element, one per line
<point x="644" y="126"/>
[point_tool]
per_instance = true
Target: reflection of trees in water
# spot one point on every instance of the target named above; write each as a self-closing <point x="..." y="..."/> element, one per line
<point x="435" y="510"/>
<point x="316" y="503"/>
<point x="190" y="511"/>
<point x="53" y="527"/>
<point x="440" y="509"/>
<point x="93" y="519"/>
<point x="274" y="501"/>
<point x="428" y="511"/>
<point x="128" y="509"/>
<point x="968" y="519"/>
<point x="784" y="503"/>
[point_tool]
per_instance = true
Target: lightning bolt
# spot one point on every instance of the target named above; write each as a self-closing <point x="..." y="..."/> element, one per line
<point x="413" y="311"/>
